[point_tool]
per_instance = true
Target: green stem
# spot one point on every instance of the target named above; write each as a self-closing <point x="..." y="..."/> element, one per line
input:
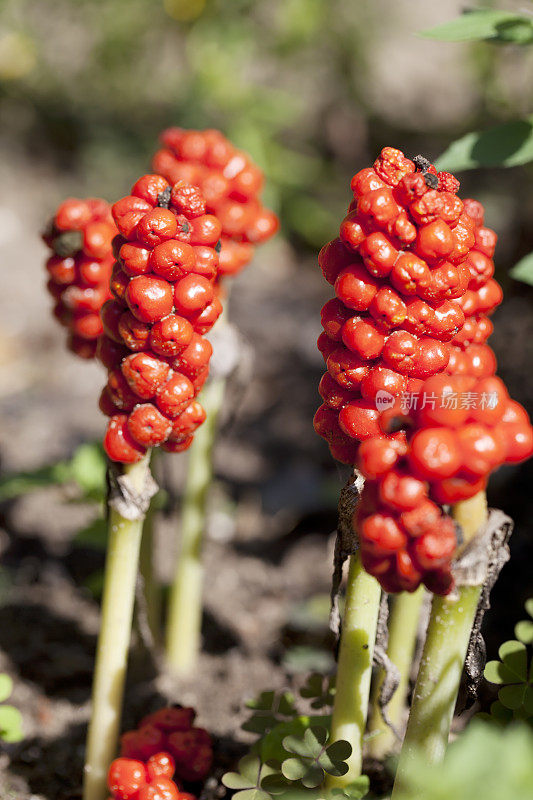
<point x="354" y="668"/>
<point x="403" y="627"/>
<point x="151" y="586"/>
<point x="441" y="667"/>
<point x="113" y="640"/>
<point x="185" y="604"/>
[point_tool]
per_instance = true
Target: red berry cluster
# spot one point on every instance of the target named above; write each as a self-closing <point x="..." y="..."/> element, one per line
<point x="229" y="181"/>
<point x="80" y="236"/>
<point x="412" y="270"/>
<point x="165" y="299"/>
<point x="171" y="730"/>
<point x="130" y="779"/>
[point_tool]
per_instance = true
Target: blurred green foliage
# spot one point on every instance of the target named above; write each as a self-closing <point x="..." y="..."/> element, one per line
<point x="86" y="85"/>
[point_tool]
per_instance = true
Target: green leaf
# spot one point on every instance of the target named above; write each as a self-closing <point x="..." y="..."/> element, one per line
<point x="524" y="631"/>
<point x="514" y="656"/>
<point x="6" y="687"/>
<point x="523" y="271"/>
<point x="340" y="750"/>
<point x="495" y="672"/>
<point x="10" y="724"/>
<point x="512" y="696"/>
<point x="274" y="784"/>
<point x="313" y="777"/>
<point x="88" y="465"/>
<point x="294" y="769"/>
<point x="506" y="145"/>
<point x="310" y="746"/>
<point x="529" y="606"/>
<point x="252" y="794"/>
<point x="477" y="25"/>
<point x="528" y="701"/>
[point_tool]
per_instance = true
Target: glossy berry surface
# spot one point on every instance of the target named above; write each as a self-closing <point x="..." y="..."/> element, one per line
<point x="410" y="395"/>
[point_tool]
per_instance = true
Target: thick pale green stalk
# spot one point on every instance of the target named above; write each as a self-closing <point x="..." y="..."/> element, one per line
<point x="441" y="667"/>
<point x="113" y="641"/>
<point x="403" y="626"/>
<point x="354" y="670"/>
<point x="151" y="586"/>
<point x="185" y="605"/>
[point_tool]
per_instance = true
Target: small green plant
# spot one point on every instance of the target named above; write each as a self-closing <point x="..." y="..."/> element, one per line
<point x="514" y="674"/>
<point x="483" y="762"/>
<point x="10" y="717"/>
<point x="293" y="754"/>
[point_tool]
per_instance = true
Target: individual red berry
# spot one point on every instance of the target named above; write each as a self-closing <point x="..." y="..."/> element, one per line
<point x="177" y="446"/>
<point x="126" y="777"/>
<point x="391" y="165"/>
<point x="118" y="443"/>
<point x="434" y="241"/>
<point x="434" y="549"/>
<point x="149" y="188"/>
<point x="194" y="359"/>
<point x="379" y="206"/>
<point x="110" y="353"/>
<point x="192" y="294"/>
<point x="379" y="255"/>
<point x="366" y="180"/>
<point x="187" y="200"/>
<point x="160" y="765"/>
<point x="422" y="519"/>
<point x="202" y="321"/>
<point x="346" y="368"/>
<point x="172" y="260"/>
<point x="410" y="275"/>
<point x="120" y="392"/>
<point x="187" y="422"/>
<point x="174" y="396"/>
<point x="353" y="230"/>
<point x="333" y="257"/>
<point x="377" y="456"/>
<point x="359" y="419"/>
<point x="192" y="751"/>
<point x="355" y="287"/>
<point x="435" y="453"/>
<point x="402" y="491"/>
<point x="333" y="316"/>
<point x="448" y="182"/>
<point x="363" y="337"/>
<point x="171" y="335"/>
<point x="134" y="333"/>
<point x="481" y="450"/>
<point x="381" y="379"/>
<point x="381" y="535"/>
<point x="145" y="373"/>
<point x="161" y="788"/>
<point x="148" y="426"/>
<point x="150" y="299"/>
<point x="388" y="308"/>
<point x="128" y="212"/>
<point x="134" y="258"/>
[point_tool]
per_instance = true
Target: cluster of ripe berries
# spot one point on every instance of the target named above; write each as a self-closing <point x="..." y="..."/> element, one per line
<point x="161" y="754"/>
<point x="230" y="183"/>
<point x="165" y="299"/>
<point x="79" y="269"/>
<point x="410" y="394"/>
<point x="145" y="314"/>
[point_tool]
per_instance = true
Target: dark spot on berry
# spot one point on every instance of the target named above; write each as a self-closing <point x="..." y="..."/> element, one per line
<point x="218" y="246"/>
<point x="163" y="198"/>
<point x="421" y="163"/>
<point x="431" y="180"/>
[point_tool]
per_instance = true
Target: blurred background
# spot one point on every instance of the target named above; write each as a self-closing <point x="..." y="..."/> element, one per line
<point x="312" y="89"/>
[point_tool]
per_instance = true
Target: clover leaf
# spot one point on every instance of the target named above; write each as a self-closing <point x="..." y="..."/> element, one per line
<point x="247" y="781"/>
<point x="524" y="628"/>
<point x="514" y="676"/>
<point x="319" y="689"/>
<point x="269" y="709"/>
<point x="313" y="758"/>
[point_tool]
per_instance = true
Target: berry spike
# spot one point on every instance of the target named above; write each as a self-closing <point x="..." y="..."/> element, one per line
<point x="165" y="300"/>
<point x="79" y="236"/>
<point x="410" y="393"/>
<point x="231" y="184"/>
